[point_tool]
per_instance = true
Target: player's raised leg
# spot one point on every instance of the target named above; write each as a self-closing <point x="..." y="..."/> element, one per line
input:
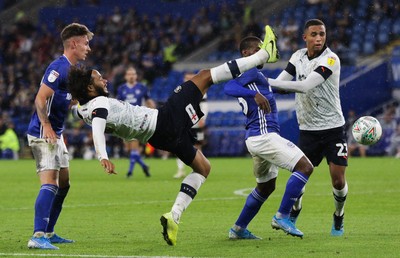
<point x="268" y="53"/>
<point x="200" y="165"/>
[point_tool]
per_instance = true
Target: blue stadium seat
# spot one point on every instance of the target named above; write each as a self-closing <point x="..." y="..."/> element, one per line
<point x="368" y="48"/>
<point x="396" y="27"/>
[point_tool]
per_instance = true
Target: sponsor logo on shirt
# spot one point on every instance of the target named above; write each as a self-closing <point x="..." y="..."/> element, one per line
<point x="192" y="113"/>
<point x="331" y="60"/>
<point x="178" y="89"/>
<point x="53" y="76"/>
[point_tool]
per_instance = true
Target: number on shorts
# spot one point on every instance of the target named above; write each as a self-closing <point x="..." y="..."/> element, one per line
<point x="342" y="149"/>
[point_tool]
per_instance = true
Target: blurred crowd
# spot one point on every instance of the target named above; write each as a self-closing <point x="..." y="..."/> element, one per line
<point x="152" y="44"/>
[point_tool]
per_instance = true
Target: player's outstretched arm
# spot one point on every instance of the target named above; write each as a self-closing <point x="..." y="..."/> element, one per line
<point x="313" y="80"/>
<point x="99" y="140"/>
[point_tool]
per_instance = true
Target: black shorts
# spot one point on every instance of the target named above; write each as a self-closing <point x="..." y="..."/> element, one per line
<point x="175" y="119"/>
<point x="331" y="143"/>
<point x="198" y="133"/>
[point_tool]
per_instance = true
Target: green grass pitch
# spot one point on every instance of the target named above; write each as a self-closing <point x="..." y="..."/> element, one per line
<point x="111" y="216"/>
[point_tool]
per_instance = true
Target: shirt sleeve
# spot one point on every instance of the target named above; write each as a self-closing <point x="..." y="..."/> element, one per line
<point x="99" y="139"/>
<point x="99" y="103"/>
<point x="52" y="77"/>
<point x="328" y="65"/>
<point x="313" y="80"/>
<point x="235" y="89"/>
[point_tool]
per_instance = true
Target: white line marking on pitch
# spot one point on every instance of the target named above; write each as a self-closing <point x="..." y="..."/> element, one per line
<point x="83" y="255"/>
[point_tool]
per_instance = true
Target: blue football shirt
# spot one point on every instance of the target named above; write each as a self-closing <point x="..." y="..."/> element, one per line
<point x="55" y="77"/>
<point x="244" y="88"/>
<point x="133" y="95"/>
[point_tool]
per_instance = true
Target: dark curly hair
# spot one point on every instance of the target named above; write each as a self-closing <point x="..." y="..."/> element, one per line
<point x="79" y="78"/>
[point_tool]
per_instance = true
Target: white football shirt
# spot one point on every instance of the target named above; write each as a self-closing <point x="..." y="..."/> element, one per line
<point x="318" y="108"/>
<point x="124" y="120"/>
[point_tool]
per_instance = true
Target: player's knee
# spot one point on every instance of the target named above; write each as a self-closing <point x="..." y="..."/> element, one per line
<point x="338" y="183"/>
<point x="266" y="189"/>
<point x="309" y="168"/>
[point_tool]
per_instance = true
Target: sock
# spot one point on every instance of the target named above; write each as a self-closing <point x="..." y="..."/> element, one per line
<point x="43" y="204"/>
<point x="132" y="161"/>
<point x="340" y="199"/>
<point x="38" y="234"/>
<point x="56" y="208"/>
<point x="139" y="159"/>
<point x="180" y="164"/>
<point x="234" y="68"/>
<point x="253" y="204"/>
<point x="297" y="205"/>
<point x="189" y="187"/>
<point x="294" y="185"/>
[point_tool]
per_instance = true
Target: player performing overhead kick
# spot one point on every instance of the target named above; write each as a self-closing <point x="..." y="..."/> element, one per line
<point x="165" y="128"/>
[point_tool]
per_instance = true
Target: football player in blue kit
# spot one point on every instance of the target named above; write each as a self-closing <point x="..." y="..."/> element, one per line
<point x="166" y="128"/>
<point x="135" y="93"/>
<point x="45" y="138"/>
<point x="268" y="149"/>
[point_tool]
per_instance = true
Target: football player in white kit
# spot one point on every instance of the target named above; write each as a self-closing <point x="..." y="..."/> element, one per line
<point x="166" y="128"/>
<point x="319" y="113"/>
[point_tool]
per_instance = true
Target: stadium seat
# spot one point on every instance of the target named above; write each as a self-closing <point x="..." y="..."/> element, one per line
<point x="368" y="48"/>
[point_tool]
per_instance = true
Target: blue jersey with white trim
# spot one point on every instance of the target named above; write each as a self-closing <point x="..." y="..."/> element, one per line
<point x="133" y="95"/>
<point x="244" y="88"/>
<point x="55" y="77"/>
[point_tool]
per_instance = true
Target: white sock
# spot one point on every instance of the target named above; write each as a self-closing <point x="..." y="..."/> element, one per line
<point x="38" y="234"/>
<point x="339" y="197"/>
<point x="182" y="201"/>
<point x="224" y="72"/>
<point x="297" y="205"/>
<point x="180" y="164"/>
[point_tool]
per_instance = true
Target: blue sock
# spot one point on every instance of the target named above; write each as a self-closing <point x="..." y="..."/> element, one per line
<point x="138" y="158"/>
<point x="43" y="204"/>
<point x="253" y="204"/>
<point x="132" y="161"/>
<point x="56" y="208"/>
<point x="294" y="186"/>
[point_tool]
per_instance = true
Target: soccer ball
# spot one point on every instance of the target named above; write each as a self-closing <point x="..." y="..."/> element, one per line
<point x="367" y="130"/>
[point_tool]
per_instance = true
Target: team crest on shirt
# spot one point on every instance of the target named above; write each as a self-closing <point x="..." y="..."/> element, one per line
<point x="290" y="144"/>
<point x="53" y="76"/>
<point x="178" y="89"/>
<point x="331" y="60"/>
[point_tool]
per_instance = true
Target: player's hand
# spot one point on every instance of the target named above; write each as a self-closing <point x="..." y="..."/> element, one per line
<point x="262" y="103"/>
<point x="48" y="133"/>
<point x="108" y="166"/>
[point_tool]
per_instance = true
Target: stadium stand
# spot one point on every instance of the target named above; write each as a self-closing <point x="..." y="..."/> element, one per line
<point x="138" y="31"/>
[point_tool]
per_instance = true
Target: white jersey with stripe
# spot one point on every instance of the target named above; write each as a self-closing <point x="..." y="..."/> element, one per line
<point x="318" y="108"/>
<point x="123" y="120"/>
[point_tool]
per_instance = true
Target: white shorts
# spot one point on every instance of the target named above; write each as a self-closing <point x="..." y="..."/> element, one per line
<point x="270" y="151"/>
<point x="49" y="156"/>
